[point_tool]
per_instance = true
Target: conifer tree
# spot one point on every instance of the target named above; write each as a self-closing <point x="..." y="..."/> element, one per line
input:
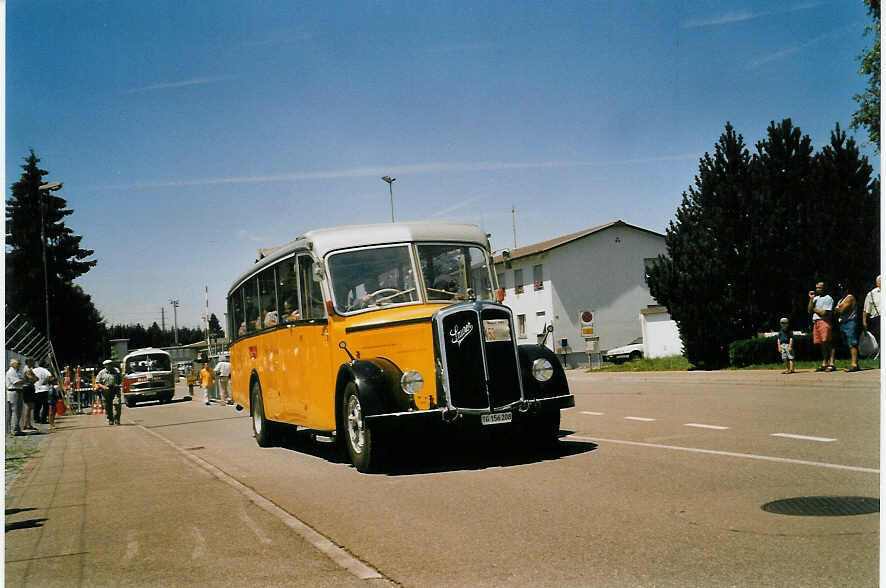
<point x="76" y="331"/>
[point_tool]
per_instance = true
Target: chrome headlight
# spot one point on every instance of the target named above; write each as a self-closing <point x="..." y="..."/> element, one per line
<point x="542" y="370"/>
<point x="411" y="382"/>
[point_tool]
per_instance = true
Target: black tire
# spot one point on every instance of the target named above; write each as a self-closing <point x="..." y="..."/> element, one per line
<point x="635" y="355"/>
<point x="543" y="430"/>
<point x="357" y="436"/>
<point x="130" y="403"/>
<point x="262" y="428"/>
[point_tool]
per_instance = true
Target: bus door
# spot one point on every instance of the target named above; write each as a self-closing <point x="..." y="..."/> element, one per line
<point x="268" y="343"/>
<point x="316" y="386"/>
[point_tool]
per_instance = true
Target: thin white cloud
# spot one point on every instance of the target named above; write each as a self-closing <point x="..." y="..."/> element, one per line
<point x="454" y="207"/>
<point x="415" y="169"/>
<point x="742" y="15"/>
<point x="180" y="84"/>
<point x="280" y="39"/>
<point x="788" y="51"/>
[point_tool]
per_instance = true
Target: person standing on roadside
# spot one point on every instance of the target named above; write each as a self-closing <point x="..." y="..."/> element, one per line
<point x="14" y="397"/>
<point x="847" y="315"/>
<point x="41" y="393"/>
<point x="870" y="316"/>
<point x="206" y="381"/>
<point x="785" y="342"/>
<point x="223" y="371"/>
<point x="820" y="307"/>
<point x="29" y="394"/>
<point x="108" y="382"/>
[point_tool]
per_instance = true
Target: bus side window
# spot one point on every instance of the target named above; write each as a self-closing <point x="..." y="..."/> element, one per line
<point x="311" y="294"/>
<point x="287" y="291"/>
<point x="238" y="321"/>
<point x="267" y="298"/>
<point x="250" y="295"/>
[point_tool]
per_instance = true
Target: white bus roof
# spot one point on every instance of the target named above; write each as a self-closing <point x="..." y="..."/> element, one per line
<point x="327" y="240"/>
<point x="324" y="241"/>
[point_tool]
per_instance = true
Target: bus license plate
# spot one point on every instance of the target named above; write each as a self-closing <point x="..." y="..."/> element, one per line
<point x="495" y="418"/>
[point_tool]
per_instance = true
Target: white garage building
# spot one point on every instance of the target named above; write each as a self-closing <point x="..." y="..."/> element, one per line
<point x="601" y="269"/>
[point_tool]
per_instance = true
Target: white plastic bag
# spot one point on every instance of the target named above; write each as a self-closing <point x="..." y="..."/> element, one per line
<point x="867" y="344"/>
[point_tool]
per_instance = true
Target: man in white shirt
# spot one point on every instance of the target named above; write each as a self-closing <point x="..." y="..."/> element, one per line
<point x="41" y="390"/>
<point x="14" y="397"/>
<point x="821" y="305"/>
<point x="870" y="317"/>
<point x="223" y="371"/>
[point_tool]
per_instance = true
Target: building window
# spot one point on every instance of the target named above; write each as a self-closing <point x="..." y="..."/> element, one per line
<point x="538" y="279"/>
<point x="518" y="281"/>
<point x="521" y="326"/>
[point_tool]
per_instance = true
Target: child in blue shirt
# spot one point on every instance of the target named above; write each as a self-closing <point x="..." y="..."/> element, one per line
<point x="785" y="342"/>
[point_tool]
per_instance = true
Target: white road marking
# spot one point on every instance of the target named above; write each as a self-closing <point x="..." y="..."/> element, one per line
<point x="255" y="528"/>
<point x="593" y="413"/>
<point x="199" y="544"/>
<point x="321" y="543"/>
<point x="804" y="437"/>
<point x="729" y="454"/>
<point x="701" y="426"/>
<point x="131" y="545"/>
<point x="642" y="419"/>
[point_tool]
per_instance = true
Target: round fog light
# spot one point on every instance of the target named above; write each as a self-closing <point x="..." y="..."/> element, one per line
<point x="542" y="370"/>
<point x="411" y="382"/>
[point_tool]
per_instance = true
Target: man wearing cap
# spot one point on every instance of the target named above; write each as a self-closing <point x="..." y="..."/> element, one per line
<point x="108" y="381"/>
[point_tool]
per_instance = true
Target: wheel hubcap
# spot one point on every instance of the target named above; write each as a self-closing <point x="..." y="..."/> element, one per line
<point x="356" y="434"/>
<point x="256" y="414"/>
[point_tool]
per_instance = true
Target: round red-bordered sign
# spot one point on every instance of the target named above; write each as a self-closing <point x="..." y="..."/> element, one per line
<point x="587" y="316"/>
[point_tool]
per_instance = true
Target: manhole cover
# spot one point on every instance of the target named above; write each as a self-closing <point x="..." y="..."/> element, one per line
<point x="824" y="506"/>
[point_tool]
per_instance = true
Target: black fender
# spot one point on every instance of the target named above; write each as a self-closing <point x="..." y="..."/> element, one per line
<point x="378" y="386"/>
<point x="532" y="388"/>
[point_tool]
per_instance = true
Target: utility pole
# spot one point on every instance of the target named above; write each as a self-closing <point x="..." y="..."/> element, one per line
<point x="514" y="223"/>
<point x="174" y="303"/>
<point x="162" y="319"/>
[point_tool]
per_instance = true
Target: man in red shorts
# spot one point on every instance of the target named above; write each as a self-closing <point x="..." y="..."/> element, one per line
<point x="821" y="305"/>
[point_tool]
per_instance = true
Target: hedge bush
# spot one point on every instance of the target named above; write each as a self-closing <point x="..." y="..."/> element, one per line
<point x="762" y="350"/>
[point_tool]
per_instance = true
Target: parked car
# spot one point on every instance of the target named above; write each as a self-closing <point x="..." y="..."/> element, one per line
<point x="629" y="352"/>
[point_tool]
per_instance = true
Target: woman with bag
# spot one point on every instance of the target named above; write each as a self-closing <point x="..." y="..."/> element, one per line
<point x="847" y="315"/>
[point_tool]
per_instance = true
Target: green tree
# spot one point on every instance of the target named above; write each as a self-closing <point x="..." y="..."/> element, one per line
<point x="705" y="279"/>
<point x="76" y="329"/>
<point x="754" y="234"/>
<point x="868" y="113"/>
<point x="214" y="325"/>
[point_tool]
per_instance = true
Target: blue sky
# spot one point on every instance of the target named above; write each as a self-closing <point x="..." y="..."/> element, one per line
<point x="189" y="134"/>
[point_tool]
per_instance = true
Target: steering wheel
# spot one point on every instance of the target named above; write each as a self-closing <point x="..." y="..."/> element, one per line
<point x="369" y="298"/>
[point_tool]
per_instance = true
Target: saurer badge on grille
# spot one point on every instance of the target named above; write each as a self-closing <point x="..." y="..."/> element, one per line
<point x="459" y="334"/>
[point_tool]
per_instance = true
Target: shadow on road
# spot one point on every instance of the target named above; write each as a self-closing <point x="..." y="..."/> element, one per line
<point x="29" y="524"/>
<point x="412" y="455"/>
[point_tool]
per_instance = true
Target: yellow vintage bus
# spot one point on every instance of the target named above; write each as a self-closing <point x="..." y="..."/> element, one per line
<point x="363" y="333"/>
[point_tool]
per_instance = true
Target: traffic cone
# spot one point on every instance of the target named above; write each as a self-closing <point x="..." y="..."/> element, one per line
<point x="97" y="407"/>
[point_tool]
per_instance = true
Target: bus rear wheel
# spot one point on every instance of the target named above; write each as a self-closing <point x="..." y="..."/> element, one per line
<point x="357" y="436"/>
<point x="261" y="426"/>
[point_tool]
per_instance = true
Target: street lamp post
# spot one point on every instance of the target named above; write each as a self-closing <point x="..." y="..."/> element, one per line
<point x="390" y="182"/>
<point x="44" y="189"/>
<point x="174" y="303"/>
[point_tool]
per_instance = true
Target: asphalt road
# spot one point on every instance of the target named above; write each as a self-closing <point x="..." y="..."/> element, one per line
<point x="659" y="480"/>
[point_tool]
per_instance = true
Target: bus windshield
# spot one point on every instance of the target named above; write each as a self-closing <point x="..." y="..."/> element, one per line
<point x="372" y="277"/>
<point x="455" y="272"/>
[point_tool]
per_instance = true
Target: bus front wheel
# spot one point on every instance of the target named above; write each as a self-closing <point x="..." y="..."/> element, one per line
<point x="358" y="437"/>
<point x="261" y="427"/>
